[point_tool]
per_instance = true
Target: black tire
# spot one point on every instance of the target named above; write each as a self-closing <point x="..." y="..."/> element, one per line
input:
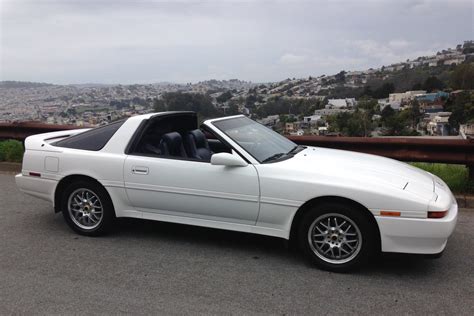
<point x="107" y="216"/>
<point x="365" y="246"/>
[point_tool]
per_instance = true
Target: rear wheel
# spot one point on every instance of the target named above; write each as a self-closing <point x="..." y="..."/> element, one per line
<point x="337" y="236"/>
<point x="87" y="208"/>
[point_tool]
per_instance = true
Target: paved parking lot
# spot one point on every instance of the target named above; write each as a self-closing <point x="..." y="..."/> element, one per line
<point x="149" y="267"/>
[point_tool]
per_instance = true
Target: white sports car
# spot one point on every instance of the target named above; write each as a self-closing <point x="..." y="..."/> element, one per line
<point x="233" y="173"/>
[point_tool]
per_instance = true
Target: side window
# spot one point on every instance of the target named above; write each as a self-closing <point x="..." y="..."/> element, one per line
<point x="94" y="139"/>
<point x="194" y="144"/>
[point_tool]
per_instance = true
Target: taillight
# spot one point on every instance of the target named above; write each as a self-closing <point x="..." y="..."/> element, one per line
<point x="437" y="214"/>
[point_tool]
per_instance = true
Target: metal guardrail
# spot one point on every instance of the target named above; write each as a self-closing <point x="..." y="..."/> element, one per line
<point x="413" y="149"/>
<point x="453" y="151"/>
<point x="21" y="130"/>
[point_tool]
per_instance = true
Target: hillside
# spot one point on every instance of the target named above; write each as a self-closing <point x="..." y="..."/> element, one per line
<point x="22" y="84"/>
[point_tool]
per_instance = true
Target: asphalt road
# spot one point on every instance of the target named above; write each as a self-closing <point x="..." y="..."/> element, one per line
<point x="158" y="268"/>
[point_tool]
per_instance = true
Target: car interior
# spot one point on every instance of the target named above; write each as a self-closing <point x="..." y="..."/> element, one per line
<point x="177" y="136"/>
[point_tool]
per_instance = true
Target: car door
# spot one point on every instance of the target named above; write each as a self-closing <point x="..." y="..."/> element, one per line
<point x="192" y="189"/>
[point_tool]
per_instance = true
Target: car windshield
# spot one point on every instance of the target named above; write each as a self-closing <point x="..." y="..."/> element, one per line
<point x="262" y="143"/>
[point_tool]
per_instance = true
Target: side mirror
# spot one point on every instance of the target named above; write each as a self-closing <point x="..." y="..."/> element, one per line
<point x="226" y="159"/>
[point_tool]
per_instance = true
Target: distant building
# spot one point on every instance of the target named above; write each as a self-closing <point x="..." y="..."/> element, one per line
<point x="434" y="108"/>
<point x="313" y="119"/>
<point x="466" y="130"/>
<point x="270" y="120"/>
<point x="328" y="112"/>
<point x="404" y="96"/>
<point x="322" y="130"/>
<point x="432" y="97"/>
<point x="385" y="102"/>
<point x="395" y="67"/>
<point x="289" y="128"/>
<point x="439" y="124"/>
<point x="341" y="103"/>
<point x="299" y="132"/>
<point x="456" y="60"/>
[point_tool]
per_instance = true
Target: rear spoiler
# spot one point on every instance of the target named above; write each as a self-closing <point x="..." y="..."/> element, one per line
<point x="43" y="141"/>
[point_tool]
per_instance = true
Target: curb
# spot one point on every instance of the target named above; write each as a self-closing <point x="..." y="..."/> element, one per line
<point x="465" y="201"/>
<point x="10" y="167"/>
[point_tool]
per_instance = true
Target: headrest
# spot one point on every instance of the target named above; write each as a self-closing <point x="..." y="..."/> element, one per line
<point x="199" y="138"/>
<point x="173" y="139"/>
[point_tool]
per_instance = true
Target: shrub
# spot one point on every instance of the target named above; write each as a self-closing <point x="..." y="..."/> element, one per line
<point x="11" y="150"/>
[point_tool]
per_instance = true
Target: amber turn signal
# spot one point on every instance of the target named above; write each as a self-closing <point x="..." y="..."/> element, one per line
<point x="389" y="213"/>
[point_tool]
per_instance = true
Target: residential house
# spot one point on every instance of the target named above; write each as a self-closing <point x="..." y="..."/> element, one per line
<point x="289" y="128"/>
<point x="270" y="120"/>
<point x="341" y="103"/>
<point x="404" y="96"/>
<point x="329" y="112"/>
<point x="312" y="119"/>
<point x="439" y="124"/>
<point x="466" y="130"/>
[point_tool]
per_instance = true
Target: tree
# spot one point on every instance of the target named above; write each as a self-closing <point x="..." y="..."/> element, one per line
<point x="159" y="105"/>
<point x="365" y="110"/>
<point x="417" y="86"/>
<point x="461" y="107"/>
<point x="350" y="124"/>
<point x="380" y="93"/>
<point x="178" y="101"/>
<point x="463" y="77"/>
<point x="250" y="101"/>
<point x="414" y="114"/>
<point x="224" y="97"/>
<point x="384" y="91"/>
<point x="396" y="123"/>
<point x="432" y="84"/>
<point x="341" y="76"/>
<point x="387" y="113"/>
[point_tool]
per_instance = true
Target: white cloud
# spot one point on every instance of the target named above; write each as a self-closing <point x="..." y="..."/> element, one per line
<point x="138" y="41"/>
<point x="399" y="43"/>
<point x="291" y="59"/>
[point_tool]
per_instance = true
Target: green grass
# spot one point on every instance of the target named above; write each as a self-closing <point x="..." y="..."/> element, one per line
<point x="11" y="150"/>
<point x="455" y="176"/>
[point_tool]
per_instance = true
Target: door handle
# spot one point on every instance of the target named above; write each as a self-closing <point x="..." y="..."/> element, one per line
<point x="139" y="170"/>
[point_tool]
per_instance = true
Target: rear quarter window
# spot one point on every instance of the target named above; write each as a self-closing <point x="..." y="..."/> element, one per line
<point x="94" y="139"/>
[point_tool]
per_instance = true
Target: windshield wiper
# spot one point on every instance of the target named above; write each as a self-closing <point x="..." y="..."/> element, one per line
<point x="273" y="157"/>
<point x="294" y="149"/>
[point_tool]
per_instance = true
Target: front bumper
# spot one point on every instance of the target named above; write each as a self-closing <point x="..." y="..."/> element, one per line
<point x="416" y="235"/>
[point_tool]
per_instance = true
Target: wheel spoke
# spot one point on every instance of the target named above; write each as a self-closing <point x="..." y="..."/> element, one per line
<point x="342" y="249"/>
<point x="334" y="230"/>
<point x="85" y="208"/>
<point x="348" y="227"/>
<point x="319" y="229"/>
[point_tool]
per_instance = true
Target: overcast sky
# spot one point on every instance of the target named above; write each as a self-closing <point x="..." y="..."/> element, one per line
<point x="118" y="41"/>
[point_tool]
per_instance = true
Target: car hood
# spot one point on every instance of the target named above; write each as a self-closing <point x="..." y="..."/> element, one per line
<point x="361" y="168"/>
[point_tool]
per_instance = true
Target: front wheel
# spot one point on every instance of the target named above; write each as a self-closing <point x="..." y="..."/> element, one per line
<point x="336" y="236"/>
<point x="87" y="208"/>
